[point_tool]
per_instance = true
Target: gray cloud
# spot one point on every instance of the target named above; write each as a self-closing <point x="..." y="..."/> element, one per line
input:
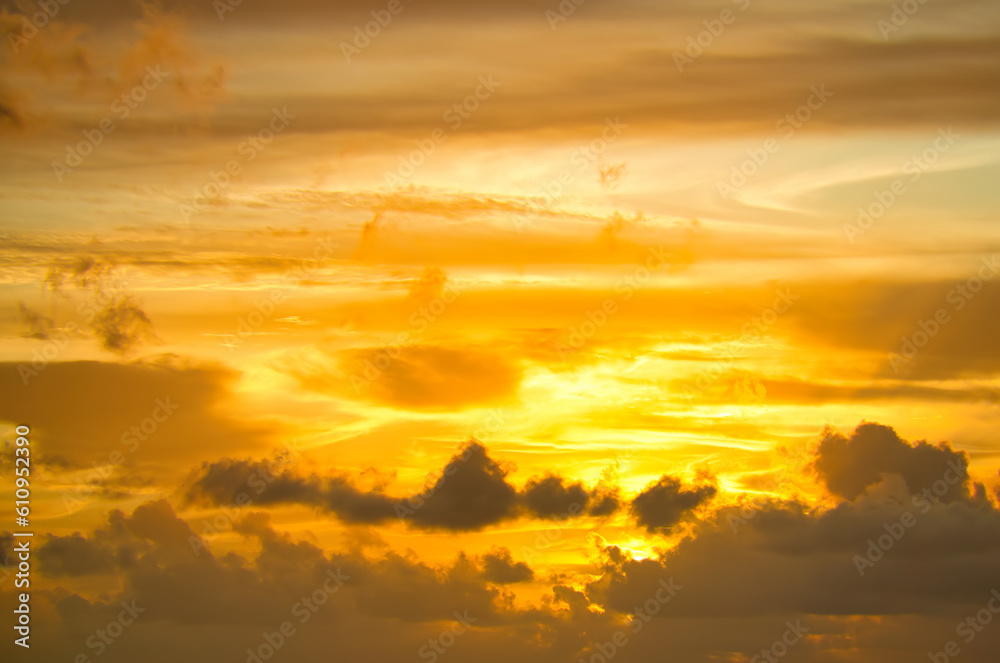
<point x="499" y="567"/>
<point x="665" y="503"/>
<point x="848" y="466"/>
<point x="472" y="492"/>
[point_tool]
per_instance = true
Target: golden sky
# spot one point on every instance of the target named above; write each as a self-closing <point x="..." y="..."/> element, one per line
<point x="424" y="329"/>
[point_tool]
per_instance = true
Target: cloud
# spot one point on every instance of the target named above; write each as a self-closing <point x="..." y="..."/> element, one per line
<point x="788" y="558"/>
<point x="427" y="377"/>
<point x="166" y="410"/>
<point x="74" y="555"/>
<point x="499" y="567"/>
<point x="663" y="504"/>
<point x="850" y="465"/>
<point x="182" y="593"/>
<point x="115" y="317"/>
<point x="122" y="327"/>
<point x="553" y="497"/>
<point x="39" y="326"/>
<point x="104" y="66"/>
<point x="475" y="495"/>
<point x="471" y="492"/>
<point x="737" y="585"/>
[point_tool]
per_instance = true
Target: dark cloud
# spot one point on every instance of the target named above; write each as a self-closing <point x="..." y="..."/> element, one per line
<point x="75" y="555"/>
<point x="499" y="567"/>
<point x="475" y="495"/>
<point x="734" y="591"/>
<point x="604" y="502"/>
<point x="471" y="492"/>
<point x="553" y="497"/>
<point x="788" y="558"/>
<point x="663" y="504"/>
<point x="266" y="482"/>
<point x="181" y="592"/>
<point x="849" y="466"/>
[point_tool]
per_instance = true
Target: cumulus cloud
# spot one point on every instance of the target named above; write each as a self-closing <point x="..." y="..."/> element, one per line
<point x="182" y="586"/>
<point x="471" y="492"/>
<point x="499" y="567"/>
<point x="74" y="555"/>
<point x="477" y="494"/>
<point x="786" y="562"/>
<point x="664" y="504"/>
<point x="787" y="557"/>
<point x="553" y="497"/>
<point x="850" y="465"/>
<point x="737" y="572"/>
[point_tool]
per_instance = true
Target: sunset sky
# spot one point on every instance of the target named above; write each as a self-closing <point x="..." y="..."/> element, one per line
<point x="529" y="331"/>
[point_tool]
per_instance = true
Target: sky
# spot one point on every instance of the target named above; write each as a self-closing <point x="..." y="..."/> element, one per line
<point x="475" y="331"/>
